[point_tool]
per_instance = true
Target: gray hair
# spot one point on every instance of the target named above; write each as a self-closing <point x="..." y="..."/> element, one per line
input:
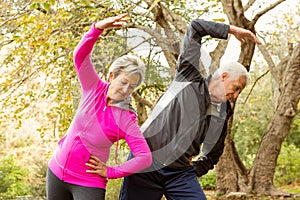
<point x="234" y="69"/>
<point x="129" y="64"/>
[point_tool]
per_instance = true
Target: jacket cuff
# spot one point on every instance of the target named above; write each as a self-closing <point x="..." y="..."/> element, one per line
<point x="94" y="31"/>
<point x="110" y="173"/>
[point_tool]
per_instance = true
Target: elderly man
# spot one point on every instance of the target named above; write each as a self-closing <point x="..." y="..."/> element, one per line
<point x="193" y="112"/>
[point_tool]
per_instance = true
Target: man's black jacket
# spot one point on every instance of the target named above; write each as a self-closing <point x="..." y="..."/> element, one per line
<point x="184" y="118"/>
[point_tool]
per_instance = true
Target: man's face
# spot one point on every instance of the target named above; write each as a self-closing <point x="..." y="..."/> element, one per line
<point x="233" y="87"/>
<point x="227" y="89"/>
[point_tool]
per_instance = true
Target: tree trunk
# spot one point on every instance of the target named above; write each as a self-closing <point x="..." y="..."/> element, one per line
<point x="232" y="176"/>
<point x="264" y="166"/>
<point x="235" y="178"/>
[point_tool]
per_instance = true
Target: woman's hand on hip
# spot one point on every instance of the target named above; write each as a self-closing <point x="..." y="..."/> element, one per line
<point x="98" y="167"/>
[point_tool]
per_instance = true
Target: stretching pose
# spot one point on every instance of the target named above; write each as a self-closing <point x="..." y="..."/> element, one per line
<point x="193" y="111"/>
<point x="77" y="169"/>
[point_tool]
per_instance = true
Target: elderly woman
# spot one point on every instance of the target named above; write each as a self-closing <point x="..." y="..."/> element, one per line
<point x="77" y="169"/>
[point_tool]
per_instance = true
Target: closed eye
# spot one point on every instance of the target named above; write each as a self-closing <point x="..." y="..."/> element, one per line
<point x="132" y="87"/>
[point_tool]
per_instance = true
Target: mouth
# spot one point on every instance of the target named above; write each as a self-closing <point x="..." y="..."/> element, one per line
<point x="122" y="95"/>
<point x="230" y="98"/>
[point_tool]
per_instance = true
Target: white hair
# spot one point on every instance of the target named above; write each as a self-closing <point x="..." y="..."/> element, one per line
<point x="129" y="64"/>
<point x="234" y="69"/>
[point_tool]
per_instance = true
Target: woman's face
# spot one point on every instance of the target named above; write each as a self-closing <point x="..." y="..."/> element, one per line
<point x="122" y="86"/>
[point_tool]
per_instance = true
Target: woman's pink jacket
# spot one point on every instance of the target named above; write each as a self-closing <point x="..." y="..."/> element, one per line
<point x="96" y="127"/>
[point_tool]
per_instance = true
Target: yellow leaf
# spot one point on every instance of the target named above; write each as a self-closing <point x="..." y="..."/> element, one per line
<point x="219" y="20"/>
<point x="153" y="5"/>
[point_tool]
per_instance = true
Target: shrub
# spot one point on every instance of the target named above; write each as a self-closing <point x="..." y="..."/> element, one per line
<point x="12" y="181"/>
<point x="208" y="181"/>
<point x="287" y="169"/>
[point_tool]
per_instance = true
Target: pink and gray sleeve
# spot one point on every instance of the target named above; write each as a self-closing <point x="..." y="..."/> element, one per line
<point x="88" y="76"/>
<point x="139" y="148"/>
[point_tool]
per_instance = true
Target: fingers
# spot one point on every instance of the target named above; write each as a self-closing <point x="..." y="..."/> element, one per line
<point x="97" y="166"/>
<point x="255" y="39"/>
<point x="118" y="20"/>
<point x="241" y="34"/>
<point x="252" y="37"/>
<point x="112" y="22"/>
<point x="95" y="158"/>
<point x="241" y="40"/>
<point x="122" y="17"/>
<point x="95" y="162"/>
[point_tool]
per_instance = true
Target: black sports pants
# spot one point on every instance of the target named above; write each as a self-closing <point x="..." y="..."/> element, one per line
<point x="60" y="190"/>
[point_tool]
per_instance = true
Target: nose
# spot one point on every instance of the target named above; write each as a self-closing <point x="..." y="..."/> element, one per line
<point x="125" y="89"/>
<point x="235" y="95"/>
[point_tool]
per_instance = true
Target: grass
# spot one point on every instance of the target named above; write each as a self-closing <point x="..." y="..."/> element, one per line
<point x="293" y="188"/>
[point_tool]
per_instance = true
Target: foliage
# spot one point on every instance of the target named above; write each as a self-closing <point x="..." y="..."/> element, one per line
<point x="252" y="119"/>
<point x="39" y="83"/>
<point x="208" y="181"/>
<point x="38" y="178"/>
<point x="287" y="170"/>
<point x="293" y="189"/>
<point x="113" y="189"/>
<point x="12" y="179"/>
<point x="293" y="137"/>
<point x="38" y="65"/>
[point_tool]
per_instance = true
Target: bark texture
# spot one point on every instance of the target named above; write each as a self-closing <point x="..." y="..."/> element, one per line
<point x="232" y="175"/>
<point x="263" y="170"/>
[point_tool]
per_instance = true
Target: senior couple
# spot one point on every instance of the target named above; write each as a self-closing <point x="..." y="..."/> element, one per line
<point x="191" y="115"/>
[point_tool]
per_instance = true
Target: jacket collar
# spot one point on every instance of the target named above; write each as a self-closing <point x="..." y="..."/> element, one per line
<point x="221" y="109"/>
<point x="124" y="104"/>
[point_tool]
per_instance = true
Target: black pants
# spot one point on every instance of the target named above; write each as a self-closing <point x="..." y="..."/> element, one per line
<point x="154" y="182"/>
<point x="60" y="190"/>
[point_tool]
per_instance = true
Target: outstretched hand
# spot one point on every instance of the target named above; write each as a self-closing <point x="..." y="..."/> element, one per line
<point x="98" y="167"/>
<point x="111" y="22"/>
<point x="241" y="34"/>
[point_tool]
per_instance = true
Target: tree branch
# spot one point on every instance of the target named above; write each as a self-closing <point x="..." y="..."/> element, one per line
<point x="141" y="100"/>
<point x="234" y="12"/>
<point x="249" y="4"/>
<point x="270" y="62"/>
<point x="146" y="40"/>
<point x="160" y="40"/>
<point x="261" y="13"/>
<point x="261" y="76"/>
<point x="176" y="20"/>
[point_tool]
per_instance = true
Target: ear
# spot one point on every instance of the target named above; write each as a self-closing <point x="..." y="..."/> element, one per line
<point x="224" y="76"/>
<point x="111" y="77"/>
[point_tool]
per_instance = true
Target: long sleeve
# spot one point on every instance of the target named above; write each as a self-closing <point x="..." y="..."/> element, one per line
<point x="213" y="144"/>
<point x="88" y="76"/>
<point x="213" y="149"/>
<point x="139" y="148"/>
<point x="188" y="61"/>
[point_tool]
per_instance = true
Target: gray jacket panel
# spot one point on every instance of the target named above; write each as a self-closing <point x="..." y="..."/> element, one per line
<point x="178" y="124"/>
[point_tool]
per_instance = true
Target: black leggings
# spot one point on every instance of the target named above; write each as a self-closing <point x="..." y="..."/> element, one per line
<point x="59" y="190"/>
